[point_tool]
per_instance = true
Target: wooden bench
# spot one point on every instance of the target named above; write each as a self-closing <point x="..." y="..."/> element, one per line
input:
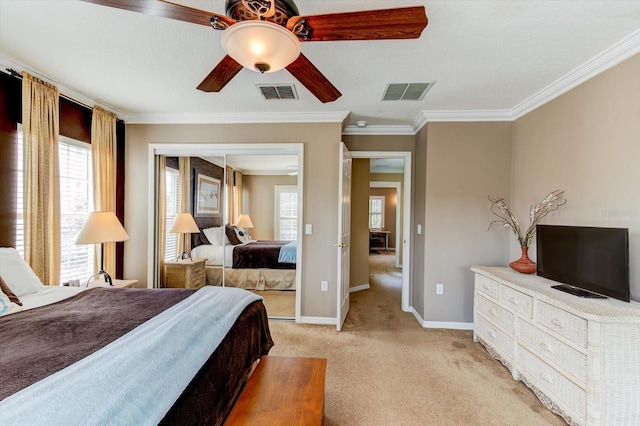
<point x="282" y="391"/>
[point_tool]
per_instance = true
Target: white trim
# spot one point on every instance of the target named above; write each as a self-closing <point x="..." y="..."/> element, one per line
<point x="406" y="223"/>
<point x="238" y="118"/>
<point x="359" y="288"/>
<point x="379" y="130"/>
<point x="318" y="320"/>
<point x="397" y="186"/>
<point x="441" y="324"/>
<point x="464" y="116"/>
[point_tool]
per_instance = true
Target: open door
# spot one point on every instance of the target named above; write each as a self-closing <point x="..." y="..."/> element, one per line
<point x="344" y="234"/>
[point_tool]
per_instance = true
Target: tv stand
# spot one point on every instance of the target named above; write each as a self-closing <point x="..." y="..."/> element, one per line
<point x="578" y="291"/>
<point x="579" y="356"/>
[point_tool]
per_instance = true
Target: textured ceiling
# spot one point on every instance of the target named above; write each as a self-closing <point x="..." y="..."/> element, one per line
<point x="482" y="56"/>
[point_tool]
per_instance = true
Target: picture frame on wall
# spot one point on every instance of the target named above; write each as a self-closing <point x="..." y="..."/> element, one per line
<point x="207" y="196"/>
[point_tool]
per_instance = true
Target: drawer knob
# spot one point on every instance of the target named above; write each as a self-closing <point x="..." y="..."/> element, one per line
<point x="493" y="312"/>
<point x="485" y="286"/>
<point x="557" y="323"/>
<point x="546" y="347"/>
<point x="492" y="334"/>
<point x="546" y="378"/>
<point x="514" y="301"/>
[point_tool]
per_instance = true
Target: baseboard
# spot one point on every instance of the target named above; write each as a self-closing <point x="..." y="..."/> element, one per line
<point x="441" y="324"/>
<point x="359" y="288"/>
<point x="318" y="320"/>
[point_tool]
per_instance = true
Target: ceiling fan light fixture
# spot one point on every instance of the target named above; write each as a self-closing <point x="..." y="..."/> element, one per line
<point x="261" y="46"/>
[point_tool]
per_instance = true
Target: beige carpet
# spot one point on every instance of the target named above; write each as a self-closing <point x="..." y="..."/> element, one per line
<point x="384" y="369"/>
<point x="279" y="303"/>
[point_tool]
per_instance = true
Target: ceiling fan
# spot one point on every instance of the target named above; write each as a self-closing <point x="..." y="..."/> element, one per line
<point x="280" y="22"/>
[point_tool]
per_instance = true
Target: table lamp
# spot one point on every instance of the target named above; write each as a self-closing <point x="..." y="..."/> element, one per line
<point x="184" y="224"/>
<point x="244" y="221"/>
<point x="102" y="227"/>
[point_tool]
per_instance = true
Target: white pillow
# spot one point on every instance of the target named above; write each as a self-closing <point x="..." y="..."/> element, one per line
<point x="216" y="235"/>
<point x="243" y="235"/>
<point x="6" y="305"/>
<point x="17" y="273"/>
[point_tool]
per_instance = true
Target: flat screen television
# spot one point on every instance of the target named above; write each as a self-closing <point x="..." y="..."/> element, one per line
<point x="589" y="259"/>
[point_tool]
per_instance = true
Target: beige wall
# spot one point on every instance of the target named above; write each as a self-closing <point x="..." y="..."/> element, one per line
<point x="390" y="203"/>
<point x="359" y="262"/>
<point x="419" y="186"/>
<point x="321" y="143"/>
<point x="465" y="162"/>
<point x="587" y="143"/>
<point x="259" y="204"/>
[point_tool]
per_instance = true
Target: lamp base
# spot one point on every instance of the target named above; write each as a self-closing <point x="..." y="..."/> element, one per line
<point x="107" y="278"/>
<point x="183" y="255"/>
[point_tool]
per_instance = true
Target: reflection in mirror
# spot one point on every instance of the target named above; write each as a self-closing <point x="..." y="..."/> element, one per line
<point x="246" y="211"/>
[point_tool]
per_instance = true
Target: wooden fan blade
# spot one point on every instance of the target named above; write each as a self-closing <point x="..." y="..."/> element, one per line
<point x="166" y="9"/>
<point x="226" y="69"/>
<point x="311" y="78"/>
<point x="400" y="23"/>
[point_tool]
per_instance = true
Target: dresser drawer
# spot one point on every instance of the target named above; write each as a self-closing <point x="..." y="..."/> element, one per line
<point x="198" y="268"/>
<point x="495" y="337"/>
<point x="564" y="323"/>
<point x="553" y="382"/>
<point x="487" y="286"/>
<point x="569" y="359"/>
<point x="495" y="313"/>
<point x="197" y="281"/>
<point x="520" y="303"/>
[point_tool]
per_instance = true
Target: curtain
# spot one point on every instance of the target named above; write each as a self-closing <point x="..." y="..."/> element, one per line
<point x="41" y="178"/>
<point x="162" y="216"/>
<point x="237" y="196"/>
<point x="103" y="152"/>
<point x="184" y="167"/>
<point x="231" y="214"/>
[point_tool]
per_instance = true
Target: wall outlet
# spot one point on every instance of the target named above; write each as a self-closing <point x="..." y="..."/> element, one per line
<point x="439" y="288"/>
<point x="324" y="285"/>
<point x="419" y="229"/>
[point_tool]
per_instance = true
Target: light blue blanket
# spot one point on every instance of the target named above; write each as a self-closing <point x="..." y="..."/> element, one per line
<point x="288" y="253"/>
<point x="137" y="378"/>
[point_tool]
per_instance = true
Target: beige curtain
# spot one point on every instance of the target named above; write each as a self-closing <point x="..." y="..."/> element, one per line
<point x="41" y="178"/>
<point x="103" y="152"/>
<point x="237" y="196"/>
<point x="184" y="167"/>
<point x="162" y="216"/>
<point x="231" y="214"/>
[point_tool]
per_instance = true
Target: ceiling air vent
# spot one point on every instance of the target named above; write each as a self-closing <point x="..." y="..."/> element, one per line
<point x="278" y="92"/>
<point x="406" y="91"/>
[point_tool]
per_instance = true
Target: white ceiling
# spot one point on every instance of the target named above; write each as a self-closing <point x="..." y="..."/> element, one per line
<point x="488" y="59"/>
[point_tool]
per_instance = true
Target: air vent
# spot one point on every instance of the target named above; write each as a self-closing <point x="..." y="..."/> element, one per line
<point x="278" y="92"/>
<point x="406" y="91"/>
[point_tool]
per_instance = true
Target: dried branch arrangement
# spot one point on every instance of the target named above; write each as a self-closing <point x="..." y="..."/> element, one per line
<point x="550" y="203"/>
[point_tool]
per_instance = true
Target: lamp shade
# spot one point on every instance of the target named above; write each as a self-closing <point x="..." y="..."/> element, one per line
<point x="244" y="221"/>
<point x="102" y="227"/>
<point x="260" y="45"/>
<point x="184" y="224"/>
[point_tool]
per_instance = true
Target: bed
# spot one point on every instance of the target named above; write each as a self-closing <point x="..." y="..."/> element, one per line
<point x="124" y="356"/>
<point x="248" y="264"/>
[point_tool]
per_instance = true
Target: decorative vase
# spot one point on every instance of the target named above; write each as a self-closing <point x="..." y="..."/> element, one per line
<point x="524" y="265"/>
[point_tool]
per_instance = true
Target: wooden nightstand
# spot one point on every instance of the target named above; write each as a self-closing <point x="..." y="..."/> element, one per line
<point x="184" y="274"/>
<point x="116" y="283"/>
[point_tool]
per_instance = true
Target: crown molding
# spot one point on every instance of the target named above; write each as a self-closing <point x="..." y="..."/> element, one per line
<point x="7" y="63"/>
<point x="379" y="130"/>
<point x="239" y="118"/>
<point x="624" y="49"/>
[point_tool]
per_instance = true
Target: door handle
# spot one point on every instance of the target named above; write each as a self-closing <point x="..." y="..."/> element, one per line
<point x="341" y="245"/>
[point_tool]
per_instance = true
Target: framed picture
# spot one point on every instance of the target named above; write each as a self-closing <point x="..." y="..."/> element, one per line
<point x="207" y="196"/>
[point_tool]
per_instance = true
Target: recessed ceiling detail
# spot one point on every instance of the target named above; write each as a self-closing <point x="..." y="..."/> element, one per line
<point x="283" y="91"/>
<point x="406" y="91"/>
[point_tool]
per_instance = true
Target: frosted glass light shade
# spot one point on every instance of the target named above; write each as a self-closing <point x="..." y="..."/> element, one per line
<point x="252" y="43"/>
<point x="184" y="224"/>
<point x="244" y="221"/>
<point x="102" y="227"/>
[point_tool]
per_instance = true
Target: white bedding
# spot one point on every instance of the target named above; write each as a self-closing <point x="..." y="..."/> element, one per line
<point x="214" y="254"/>
<point x="48" y="294"/>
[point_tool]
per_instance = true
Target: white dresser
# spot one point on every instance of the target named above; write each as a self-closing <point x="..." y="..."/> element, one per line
<point x="581" y="357"/>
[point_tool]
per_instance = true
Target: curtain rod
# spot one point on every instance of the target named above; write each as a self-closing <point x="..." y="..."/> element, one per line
<point x="16" y="74"/>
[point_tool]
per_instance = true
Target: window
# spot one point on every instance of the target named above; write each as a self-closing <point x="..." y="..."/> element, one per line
<point x="172" y="181"/>
<point x="76" y="201"/>
<point x="376" y="212"/>
<point x="286" y="212"/>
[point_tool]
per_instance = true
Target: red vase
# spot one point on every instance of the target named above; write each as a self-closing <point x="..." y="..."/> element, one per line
<point x="524" y="265"/>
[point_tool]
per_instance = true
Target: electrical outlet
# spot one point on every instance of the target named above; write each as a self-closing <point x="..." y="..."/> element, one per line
<point x="439" y="288"/>
<point x="324" y="285"/>
<point x="419" y="229"/>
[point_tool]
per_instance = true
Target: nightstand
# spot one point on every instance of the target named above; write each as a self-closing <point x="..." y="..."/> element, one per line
<point x="184" y="274"/>
<point x="116" y="283"/>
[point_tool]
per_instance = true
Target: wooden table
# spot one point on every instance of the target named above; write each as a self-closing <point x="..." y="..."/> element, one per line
<point x="282" y="391"/>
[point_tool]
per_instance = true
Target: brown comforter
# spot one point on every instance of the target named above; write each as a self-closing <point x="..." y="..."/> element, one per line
<point x="41" y="341"/>
<point x="260" y="254"/>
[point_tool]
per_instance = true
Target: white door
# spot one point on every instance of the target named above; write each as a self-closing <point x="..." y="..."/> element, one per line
<point x="344" y="234"/>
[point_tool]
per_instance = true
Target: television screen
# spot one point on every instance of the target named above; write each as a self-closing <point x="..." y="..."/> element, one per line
<point x="589" y="258"/>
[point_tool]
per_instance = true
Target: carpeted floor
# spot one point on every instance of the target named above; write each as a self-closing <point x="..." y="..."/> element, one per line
<point x="385" y="369"/>
<point x="279" y="303"/>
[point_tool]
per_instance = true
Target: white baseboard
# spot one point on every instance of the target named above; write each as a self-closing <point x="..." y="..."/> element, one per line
<point x="359" y="288"/>
<point x="318" y="320"/>
<point x="442" y="324"/>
